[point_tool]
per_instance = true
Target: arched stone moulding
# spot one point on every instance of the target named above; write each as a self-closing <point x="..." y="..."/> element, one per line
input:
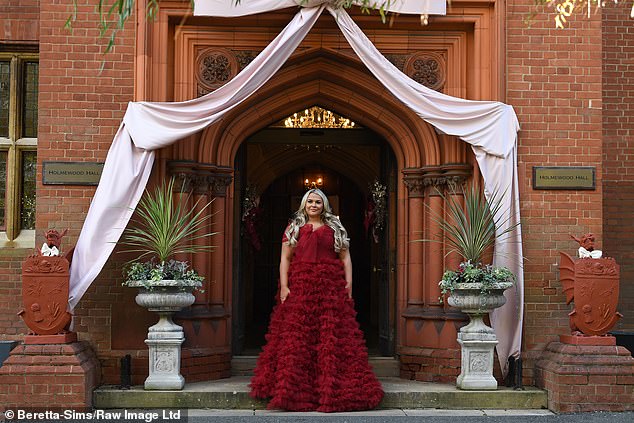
<point x="335" y="79"/>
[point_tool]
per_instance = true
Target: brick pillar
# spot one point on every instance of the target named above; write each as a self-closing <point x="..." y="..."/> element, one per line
<point x="49" y="376"/>
<point x="586" y="377"/>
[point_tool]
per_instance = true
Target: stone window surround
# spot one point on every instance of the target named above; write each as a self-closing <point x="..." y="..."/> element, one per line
<point x="12" y="235"/>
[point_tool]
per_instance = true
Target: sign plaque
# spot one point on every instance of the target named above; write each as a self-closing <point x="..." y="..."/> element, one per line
<point x="71" y="173"/>
<point x="564" y="177"/>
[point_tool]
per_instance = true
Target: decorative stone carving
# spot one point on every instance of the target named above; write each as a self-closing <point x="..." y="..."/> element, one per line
<point x="205" y="179"/>
<point x="242" y="57"/>
<point x="201" y="184"/>
<point x="164" y="361"/>
<point x="593" y="285"/>
<point x="218" y="184"/>
<point x="436" y="178"/>
<point x="183" y="182"/>
<point x="245" y="57"/>
<point x="413" y="180"/>
<point x="477" y="340"/>
<point x="478" y="362"/>
<point x="39" y="264"/>
<point x="45" y="287"/>
<point x="215" y="67"/>
<point x="427" y="68"/>
<point x="397" y="60"/>
<point x="164" y="339"/>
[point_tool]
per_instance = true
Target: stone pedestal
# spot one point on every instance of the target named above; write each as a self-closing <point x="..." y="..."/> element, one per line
<point x="165" y="338"/>
<point x="580" y="377"/>
<point x="477" y="339"/>
<point x="164" y="343"/>
<point x="49" y="376"/>
<point x="477" y="342"/>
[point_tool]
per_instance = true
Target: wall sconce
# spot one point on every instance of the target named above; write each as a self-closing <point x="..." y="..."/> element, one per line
<point x="310" y="184"/>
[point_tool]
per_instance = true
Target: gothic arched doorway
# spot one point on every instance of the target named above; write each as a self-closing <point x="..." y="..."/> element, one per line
<point x="274" y="164"/>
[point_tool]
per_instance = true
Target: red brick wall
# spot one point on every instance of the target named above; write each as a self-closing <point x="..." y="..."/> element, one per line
<point x="11" y="326"/>
<point x="431" y="365"/>
<point x="19" y="25"/>
<point x="587" y="378"/>
<point x="618" y="135"/>
<point x="20" y="21"/>
<point x="554" y="84"/>
<point x="80" y="111"/>
<point x="49" y="376"/>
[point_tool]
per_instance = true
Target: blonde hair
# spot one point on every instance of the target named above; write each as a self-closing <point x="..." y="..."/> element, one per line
<point x="341" y="240"/>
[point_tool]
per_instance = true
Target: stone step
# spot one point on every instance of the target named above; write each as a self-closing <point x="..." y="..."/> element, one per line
<point x="233" y="393"/>
<point x="243" y="365"/>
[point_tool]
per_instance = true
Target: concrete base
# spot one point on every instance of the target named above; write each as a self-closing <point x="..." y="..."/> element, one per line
<point x="477" y="365"/>
<point x="164" y="344"/>
<point x="233" y="393"/>
<point x="477" y="342"/>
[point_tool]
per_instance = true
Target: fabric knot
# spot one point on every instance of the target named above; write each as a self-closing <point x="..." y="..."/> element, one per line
<point x="335" y="4"/>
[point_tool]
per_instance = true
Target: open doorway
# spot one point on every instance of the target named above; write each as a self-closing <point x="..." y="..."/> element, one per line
<point x="275" y="165"/>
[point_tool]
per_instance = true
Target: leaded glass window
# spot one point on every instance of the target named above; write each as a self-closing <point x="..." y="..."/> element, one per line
<point x="29" y="106"/>
<point x="3" y="188"/>
<point x="5" y="84"/>
<point x="18" y="141"/>
<point x="27" y="212"/>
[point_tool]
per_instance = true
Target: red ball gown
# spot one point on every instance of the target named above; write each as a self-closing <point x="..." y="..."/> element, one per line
<point x="315" y="358"/>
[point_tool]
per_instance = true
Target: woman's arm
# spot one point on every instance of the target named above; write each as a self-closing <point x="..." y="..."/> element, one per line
<point x="285" y="263"/>
<point x="344" y="255"/>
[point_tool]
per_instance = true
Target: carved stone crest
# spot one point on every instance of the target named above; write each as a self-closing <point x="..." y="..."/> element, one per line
<point x="45" y="294"/>
<point x="593" y="285"/>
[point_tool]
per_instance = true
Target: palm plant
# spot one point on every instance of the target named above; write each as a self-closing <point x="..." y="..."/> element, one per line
<point x="162" y="228"/>
<point x="471" y="230"/>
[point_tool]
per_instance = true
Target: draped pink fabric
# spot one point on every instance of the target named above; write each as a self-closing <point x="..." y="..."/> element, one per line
<point x="489" y="126"/>
<point x="148" y="126"/>
<point x="491" y="129"/>
<point x="228" y="8"/>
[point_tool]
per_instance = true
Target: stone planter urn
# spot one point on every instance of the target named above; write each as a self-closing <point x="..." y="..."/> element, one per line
<point x="165" y="338"/>
<point x="477" y="340"/>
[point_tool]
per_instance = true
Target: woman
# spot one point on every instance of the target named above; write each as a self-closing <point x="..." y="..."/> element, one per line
<point x="315" y="357"/>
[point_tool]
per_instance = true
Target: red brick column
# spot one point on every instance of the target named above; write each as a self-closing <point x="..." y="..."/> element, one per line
<point x="49" y="376"/>
<point x="586" y="377"/>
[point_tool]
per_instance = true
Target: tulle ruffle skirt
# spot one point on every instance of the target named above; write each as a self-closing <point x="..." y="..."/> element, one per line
<point x="315" y="357"/>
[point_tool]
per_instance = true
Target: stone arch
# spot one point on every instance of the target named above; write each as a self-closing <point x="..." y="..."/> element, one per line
<point x="339" y="82"/>
<point x="280" y="164"/>
<point x="335" y="81"/>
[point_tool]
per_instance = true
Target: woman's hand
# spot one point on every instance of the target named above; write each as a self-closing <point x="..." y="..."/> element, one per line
<point x="349" y="288"/>
<point x="284" y="291"/>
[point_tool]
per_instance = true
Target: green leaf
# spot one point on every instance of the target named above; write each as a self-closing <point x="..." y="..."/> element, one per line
<point x="470" y="224"/>
<point x="164" y="226"/>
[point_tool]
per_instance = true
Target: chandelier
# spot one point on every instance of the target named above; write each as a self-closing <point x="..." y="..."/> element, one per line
<point x="316" y="117"/>
<point x="315" y="183"/>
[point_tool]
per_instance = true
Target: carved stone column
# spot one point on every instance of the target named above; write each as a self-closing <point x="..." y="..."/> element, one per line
<point x="206" y="321"/>
<point x="413" y="180"/>
<point x="220" y="266"/>
<point x="434" y="252"/>
<point x="428" y="323"/>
